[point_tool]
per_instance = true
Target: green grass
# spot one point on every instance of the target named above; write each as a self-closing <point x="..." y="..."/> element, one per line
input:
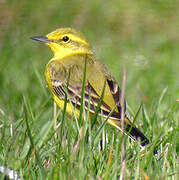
<point x="140" y="35"/>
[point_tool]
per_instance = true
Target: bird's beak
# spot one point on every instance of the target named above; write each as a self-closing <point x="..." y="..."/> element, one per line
<point x="41" y="39"/>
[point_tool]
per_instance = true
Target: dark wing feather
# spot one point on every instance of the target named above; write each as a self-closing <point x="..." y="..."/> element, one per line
<point x="90" y="96"/>
<point x="116" y="93"/>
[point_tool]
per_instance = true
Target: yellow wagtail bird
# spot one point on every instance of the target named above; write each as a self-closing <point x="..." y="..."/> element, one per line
<point x="72" y="53"/>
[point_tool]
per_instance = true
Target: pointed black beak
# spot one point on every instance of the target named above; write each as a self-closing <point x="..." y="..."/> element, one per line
<point x="41" y="39"/>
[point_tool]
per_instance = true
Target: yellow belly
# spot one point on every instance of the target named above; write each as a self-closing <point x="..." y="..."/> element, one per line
<point x="70" y="109"/>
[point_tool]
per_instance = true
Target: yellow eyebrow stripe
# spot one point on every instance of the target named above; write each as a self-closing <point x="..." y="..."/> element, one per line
<point x="77" y="39"/>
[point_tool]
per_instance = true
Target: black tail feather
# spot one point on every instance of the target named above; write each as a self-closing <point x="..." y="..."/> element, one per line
<point x="138" y="135"/>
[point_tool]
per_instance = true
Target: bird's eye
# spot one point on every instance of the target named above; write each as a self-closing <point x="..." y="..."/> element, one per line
<point x="65" y="38"/>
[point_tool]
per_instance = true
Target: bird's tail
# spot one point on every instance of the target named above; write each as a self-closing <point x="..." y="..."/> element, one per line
<point x="130" y="130"/>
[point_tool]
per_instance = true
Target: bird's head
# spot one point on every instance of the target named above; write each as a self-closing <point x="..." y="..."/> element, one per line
<point x="65" y="41"/>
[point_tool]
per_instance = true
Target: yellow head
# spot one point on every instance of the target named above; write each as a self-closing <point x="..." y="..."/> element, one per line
<point x="65" y="41"/>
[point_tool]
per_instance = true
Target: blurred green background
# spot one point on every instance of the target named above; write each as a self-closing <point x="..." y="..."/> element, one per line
<point x="141" y="35"/>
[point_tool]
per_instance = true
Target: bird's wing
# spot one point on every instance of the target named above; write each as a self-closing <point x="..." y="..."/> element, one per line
<point x="96" y="76"/>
